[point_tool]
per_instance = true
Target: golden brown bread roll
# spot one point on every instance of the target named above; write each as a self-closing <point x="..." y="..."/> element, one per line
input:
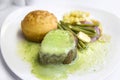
<point x="37" y="23"/>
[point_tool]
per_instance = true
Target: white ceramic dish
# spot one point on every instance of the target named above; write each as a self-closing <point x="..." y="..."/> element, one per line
<point x="10" y="38"/>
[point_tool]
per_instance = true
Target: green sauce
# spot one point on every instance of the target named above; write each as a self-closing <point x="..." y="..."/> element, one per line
<point x="52" y="42"/>
<point x="88" y="59"/>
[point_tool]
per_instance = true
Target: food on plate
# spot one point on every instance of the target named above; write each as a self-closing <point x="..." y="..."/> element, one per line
<point x="82" y="26"/>
<point x="74" y="44"/>
<point x="81" y="18"/>
<point x="37" y="23"/>
<point x="58" y="46"/>
<point x="76" y="16"/>
<point x="89" y="60"/>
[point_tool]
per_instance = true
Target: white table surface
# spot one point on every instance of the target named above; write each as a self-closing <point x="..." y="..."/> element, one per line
<point x="112" y="6"/>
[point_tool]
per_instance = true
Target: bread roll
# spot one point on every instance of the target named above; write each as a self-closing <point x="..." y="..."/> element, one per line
<point x="37" y="23"/>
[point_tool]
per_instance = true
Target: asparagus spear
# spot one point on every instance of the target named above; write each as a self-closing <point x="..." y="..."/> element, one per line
<point x="87" y="29"/>
<point x="81" y="44"/>
<point x="79" y="28"/>
<point x="81" y="25"/>
<point x="85" y="25"/>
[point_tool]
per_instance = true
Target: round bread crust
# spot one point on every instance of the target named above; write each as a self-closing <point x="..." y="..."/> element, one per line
<point x="37" y="23"/>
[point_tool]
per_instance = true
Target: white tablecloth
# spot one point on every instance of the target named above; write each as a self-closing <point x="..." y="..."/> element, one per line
<point x="112" y="6"/>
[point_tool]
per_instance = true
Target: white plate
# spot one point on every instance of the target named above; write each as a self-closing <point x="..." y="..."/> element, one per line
<point x="10" y="38"/>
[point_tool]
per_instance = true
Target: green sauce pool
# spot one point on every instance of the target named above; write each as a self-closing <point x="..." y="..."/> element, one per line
<point x="87" y="59"/>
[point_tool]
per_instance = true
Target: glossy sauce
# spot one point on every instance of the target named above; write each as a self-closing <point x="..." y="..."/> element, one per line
<point x="87" y="60"/>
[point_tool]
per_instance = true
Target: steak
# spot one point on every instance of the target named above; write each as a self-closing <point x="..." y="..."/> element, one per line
<point x="58" y="46"/>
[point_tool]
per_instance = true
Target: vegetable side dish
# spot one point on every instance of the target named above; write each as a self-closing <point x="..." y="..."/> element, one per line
<point x="56" y="49"/>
